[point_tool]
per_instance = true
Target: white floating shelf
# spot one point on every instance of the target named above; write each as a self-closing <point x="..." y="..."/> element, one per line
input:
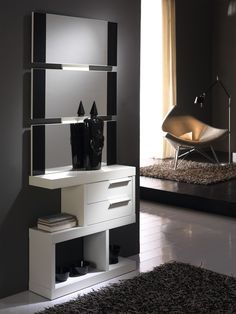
<point x="77" y="232"/>
<point x="66" y="177"/>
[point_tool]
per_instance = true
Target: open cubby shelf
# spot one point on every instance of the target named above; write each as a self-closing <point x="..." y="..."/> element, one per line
<point x="95" y="276"/>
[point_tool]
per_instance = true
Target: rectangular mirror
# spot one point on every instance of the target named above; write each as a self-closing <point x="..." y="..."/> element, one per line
<point x="58" y="39"/>
<point x="51" y="146"/>
<point x="57" y="93"/>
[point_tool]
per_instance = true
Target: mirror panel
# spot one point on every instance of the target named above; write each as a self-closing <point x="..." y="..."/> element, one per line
<point x="51" y="146"/>
<point x="57" y="93"/>
<point x="59" y="39"/>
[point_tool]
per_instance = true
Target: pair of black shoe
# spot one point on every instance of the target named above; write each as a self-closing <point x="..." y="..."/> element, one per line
<point x="78" y="269"/>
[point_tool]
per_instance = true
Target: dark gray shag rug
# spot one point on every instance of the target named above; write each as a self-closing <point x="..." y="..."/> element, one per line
<point x="170" y="288"/>
<point x="190" y="172"/>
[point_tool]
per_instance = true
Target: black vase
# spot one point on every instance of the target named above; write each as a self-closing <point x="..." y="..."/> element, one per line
<point x="77" y="139"/>
<point x="77" y="145"/>
<point x="94" y="140"/>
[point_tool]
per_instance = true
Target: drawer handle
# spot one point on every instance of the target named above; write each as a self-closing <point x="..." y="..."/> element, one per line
<point x="119" y="182"/>
<point x="118" y="202"/>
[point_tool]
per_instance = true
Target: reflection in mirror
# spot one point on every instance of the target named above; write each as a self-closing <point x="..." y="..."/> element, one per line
<point x="57" y="93"/>
<point x="59" y="39"/>
<point x="232" y="8"/>
<point x="51" y="146"/>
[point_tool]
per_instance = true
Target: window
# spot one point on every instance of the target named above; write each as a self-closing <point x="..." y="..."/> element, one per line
<point x="157" y="66"/>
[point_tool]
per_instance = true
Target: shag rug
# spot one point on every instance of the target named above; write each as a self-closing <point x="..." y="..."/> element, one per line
<point x="190" y="172"/>
<point x="175" y="288"/>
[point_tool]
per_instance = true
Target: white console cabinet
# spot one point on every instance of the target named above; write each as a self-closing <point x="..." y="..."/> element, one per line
<point x="102" y="200"/>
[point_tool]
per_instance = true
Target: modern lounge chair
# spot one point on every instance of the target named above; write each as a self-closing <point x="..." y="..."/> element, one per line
<point x="188" y="134"/>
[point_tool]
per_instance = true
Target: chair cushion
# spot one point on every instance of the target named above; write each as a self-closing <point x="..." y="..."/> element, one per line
<point x="187" y="136"/>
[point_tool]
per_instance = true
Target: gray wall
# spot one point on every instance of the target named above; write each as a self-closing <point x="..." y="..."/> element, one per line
<point x="20" y="203"/>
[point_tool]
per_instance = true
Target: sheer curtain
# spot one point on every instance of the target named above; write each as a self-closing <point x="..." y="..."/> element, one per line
<point x="169" y="64"/>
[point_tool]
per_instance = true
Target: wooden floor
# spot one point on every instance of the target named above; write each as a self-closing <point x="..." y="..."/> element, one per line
<point x="174" y="233"/>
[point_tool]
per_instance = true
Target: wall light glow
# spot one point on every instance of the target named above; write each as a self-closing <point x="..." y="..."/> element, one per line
<point x="75" y="67"/>
<point x="70" y="120"/>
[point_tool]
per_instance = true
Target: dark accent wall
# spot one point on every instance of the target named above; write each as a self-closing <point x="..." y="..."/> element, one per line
<point x="224" y="65"/>
<point x="205" y="32"/>
<point x="193" y="52"/>
<point x="21" y="204"/>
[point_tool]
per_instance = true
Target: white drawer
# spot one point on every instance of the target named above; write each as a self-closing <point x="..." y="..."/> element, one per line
<point x="105" y="190"/>
<point x="107" y="210"/>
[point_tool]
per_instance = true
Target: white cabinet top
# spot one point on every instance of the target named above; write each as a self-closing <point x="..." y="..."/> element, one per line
<point x="66" y="177"/>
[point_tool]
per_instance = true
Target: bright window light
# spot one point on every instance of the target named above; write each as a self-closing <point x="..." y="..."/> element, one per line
<point x="151" y="79"/>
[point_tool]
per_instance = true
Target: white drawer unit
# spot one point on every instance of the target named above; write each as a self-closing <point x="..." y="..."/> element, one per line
<point x="101" y="200"/>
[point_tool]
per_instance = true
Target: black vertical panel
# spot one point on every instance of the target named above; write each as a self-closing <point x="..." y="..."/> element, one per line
<point x="38" y="150"/>
<point x="39" y="37"/>
<point x="111" y="93"/>
<point x="39" y="94"/>
<point x="111" y="143"/>
<point x="112" y="44"/>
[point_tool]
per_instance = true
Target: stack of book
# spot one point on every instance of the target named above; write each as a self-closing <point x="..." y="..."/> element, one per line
<point x="56" y="222"/>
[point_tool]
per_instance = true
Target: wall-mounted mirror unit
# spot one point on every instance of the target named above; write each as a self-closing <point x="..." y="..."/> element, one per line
<point x="57" y="93"/>
<point x="58" y="39"/>
<point x="51" y="148"/>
